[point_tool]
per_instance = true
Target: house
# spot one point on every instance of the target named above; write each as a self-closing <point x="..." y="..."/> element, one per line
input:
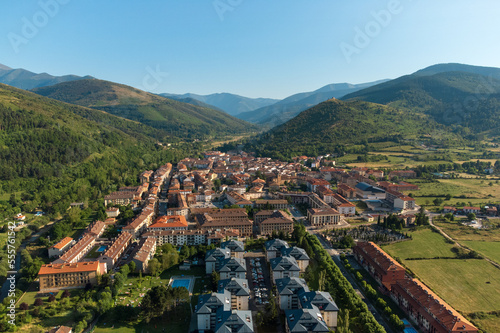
<point x="214" y="257"/>
<point x="60" y="247"/>
<point x="402" y="174"/>
<point x="61" y="329"/>
<point x="324" y="302"/>
<point x="346" y="191"/>
<point x="288" y="290"/>
<point x="235" y="321"/>
<point x="323" y="216"/>
<point x="468" y="209"/>
<point x="145" y="252"/>
<point x="96" y="228"/>
<point x="283" y="267"/>
<point x="237" y="248"/>
<point x="342" y="205"/>
<point x="305" y="320"/>
<point x="449" y="209"/>
<point x="112" y="211"/>
<point x="210" y="308"/>
<point x="232" y="267"/>
<point x="299" y="254"/>
<point x="78" y="251"/>
<point x="384" y="269"/>
<point x="424" y="307"/>
<point x="110" y="257"/>
<point x="313" y="183"/>
<point x="239" y="292"/>
<point x="274" y="248"/>
<point x="69" y="275"/>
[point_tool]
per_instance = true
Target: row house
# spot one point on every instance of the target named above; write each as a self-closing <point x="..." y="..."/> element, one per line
<point x="426" y="309"/>
<point x="140" y="223"/>
<point x="78" y="251"/>
<point x="384" y="269"/>
<point x="54" y="277"/>
<point x="346" y="191"/>
<point x="144" y="253"/>
<point x="305" y="320"/>
<point x="343" y="206"/>
<point x="96" y="228"/>
<point x="113" y="253"/>
<point x="60" y="247"/>
<point x="145" y="176"/>
<point x="169" y="222"/>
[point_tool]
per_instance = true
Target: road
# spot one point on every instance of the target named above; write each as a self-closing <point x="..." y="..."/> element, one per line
<point x="336" y="258"/>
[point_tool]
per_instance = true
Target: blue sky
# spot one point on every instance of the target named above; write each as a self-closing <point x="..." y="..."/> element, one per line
<point x="253" y="48"/>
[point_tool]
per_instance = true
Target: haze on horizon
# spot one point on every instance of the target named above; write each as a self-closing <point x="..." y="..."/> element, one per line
<point x="251" y="48"/>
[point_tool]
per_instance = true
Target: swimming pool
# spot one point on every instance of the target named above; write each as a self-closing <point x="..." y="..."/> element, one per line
<point x="102" y="248"/>
<point x="181" y="283"/>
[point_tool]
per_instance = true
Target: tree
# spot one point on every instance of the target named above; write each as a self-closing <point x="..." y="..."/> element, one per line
<point x="343" y="321"/>
<point x="24" y="306"/>
<point x="52" y="298"/>
<point x="154" y="267"/>
<point x="38" y="302"/>
<point x="80" y="326"/>
<point x="132" y="266"/>
<point x="471" y="216"/>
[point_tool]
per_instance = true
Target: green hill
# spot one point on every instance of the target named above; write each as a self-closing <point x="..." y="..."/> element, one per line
<point x="180" y="119"/>
<point x="57" y="153"/>
<point x="339" y="126"/>
<point x="468" y="102"/>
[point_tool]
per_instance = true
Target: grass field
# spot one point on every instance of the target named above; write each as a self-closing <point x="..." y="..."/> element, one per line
<point x="488" y="249"/>
<point x="467" y="285"/>
<point x="462" y="232"/>
<point x="425" y="244"/>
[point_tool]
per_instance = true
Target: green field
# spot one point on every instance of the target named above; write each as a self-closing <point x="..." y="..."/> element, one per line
<point x="488" y="249"/>
<point x="467" y="285"/>
<point x="425" y="244"/>
<point x="461" y="232"/>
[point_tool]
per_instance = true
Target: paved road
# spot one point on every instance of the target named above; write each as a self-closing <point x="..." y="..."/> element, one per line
<point x="336" y="258"/>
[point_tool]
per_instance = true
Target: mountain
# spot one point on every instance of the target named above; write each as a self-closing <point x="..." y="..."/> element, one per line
<point x="467" y="101"/>
<point x="190" y="100"/>
<point x="289" y="107"/>
<point x="24" y="79"/>
<point x="180" y="119"/>
<point x="230" y="103"/>
<point x="337" y="126"/>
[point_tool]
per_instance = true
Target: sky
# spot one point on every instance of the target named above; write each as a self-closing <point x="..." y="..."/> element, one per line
<point x="253" y="48"/>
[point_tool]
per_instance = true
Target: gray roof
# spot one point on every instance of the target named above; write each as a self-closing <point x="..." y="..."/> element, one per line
<point x="232" y="265"/>
<point x="235" y="321"/>
<point x="211" y="303"/>
<point x="306" y="320"/>
<point x="284" y="264"/>
<point x="237" y="287"/>
<point x="217" y="254"/>
<point x="275" y="244"/>
<point x="321" y="299"/>
<point x="296" y="252"/>
<point x="367" y="187"/>
<point x="234" y="246"/>
<point x="291" y="286"/>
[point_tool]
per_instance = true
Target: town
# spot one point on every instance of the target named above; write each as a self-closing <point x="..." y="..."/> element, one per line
<point x="227" y="201"/>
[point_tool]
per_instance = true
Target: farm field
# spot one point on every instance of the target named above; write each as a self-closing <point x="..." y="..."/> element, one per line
<point x="488" y="249"/>
<point x="425" y="244"/>
<point x="467" y="285"/>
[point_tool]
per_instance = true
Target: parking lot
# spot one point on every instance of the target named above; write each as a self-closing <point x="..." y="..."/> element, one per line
<point x="258" y="276"/>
